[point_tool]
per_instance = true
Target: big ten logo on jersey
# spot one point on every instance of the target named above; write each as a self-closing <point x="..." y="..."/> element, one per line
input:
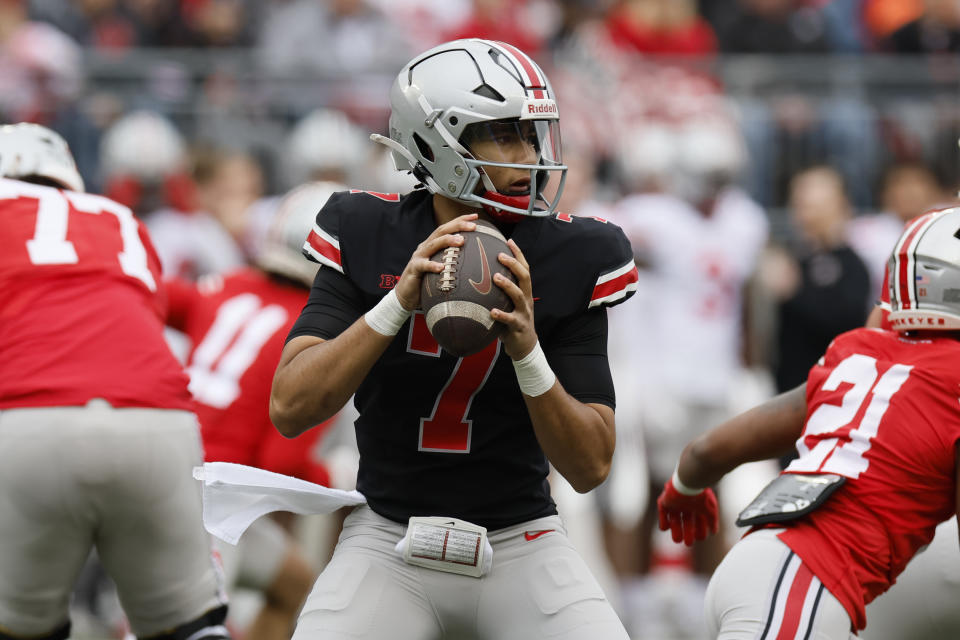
<point x="447" y="429"/>
<point x="388" y="281"/>
<point x="44" y="226"/>
<point x="242" y="325"/>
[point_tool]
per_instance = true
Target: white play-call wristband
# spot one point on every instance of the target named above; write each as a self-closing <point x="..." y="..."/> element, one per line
<point x="534" y="373"/>
<point x="682" y="488"/>
<point x="387" y="316"/>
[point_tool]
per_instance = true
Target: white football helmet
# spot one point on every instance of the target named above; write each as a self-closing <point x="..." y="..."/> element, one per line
<point x="30" y="150"/>
<point x="325" y="141"/>
<point x="291" y="224"/>
<point x="462" y="90"/>
<point x="924" y="273"/>
<point x="123" y="145"/>
<point x="647" y="152"/>
<point x="711" y="153"/>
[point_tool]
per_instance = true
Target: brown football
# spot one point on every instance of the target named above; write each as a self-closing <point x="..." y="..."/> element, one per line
<point x="457" y="301"/>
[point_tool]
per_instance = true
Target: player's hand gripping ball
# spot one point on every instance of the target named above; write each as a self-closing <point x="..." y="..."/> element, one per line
<point x="457" y="301"/>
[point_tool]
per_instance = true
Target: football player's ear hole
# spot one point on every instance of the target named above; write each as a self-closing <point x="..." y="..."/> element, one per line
<point x="423" y="147"/>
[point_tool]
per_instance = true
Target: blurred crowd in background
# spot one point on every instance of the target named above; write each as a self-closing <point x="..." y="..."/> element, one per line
<point x="762" y="155"/>
<point x="860" y="83"/>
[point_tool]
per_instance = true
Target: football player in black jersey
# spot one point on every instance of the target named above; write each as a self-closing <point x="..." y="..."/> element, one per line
<point x="460" y="537"/>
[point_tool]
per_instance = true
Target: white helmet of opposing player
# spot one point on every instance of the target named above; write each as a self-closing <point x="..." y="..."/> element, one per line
<point x="325" y="141"/>
<point x="924" y="273"/>
<point x="711" y="153"/>
<point x="291" y="224"/>
<point x="123" y="145"/>
<point x="647" y="152"/>
<point x="475" y="90"/>
<point x="30" y="150"/>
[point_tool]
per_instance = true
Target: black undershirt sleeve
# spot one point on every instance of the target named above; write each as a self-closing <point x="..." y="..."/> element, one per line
<point x="577" y="353"/>
<point x="335" y="303"/>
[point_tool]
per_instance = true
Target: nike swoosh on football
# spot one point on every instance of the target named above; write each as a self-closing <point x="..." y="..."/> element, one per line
<point x="486" y="282"/>
<point x="533" y="535"/>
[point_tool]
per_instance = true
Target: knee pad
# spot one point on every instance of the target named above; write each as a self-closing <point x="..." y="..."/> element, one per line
<point x="60" y="633"/>
<point x="209" y="626"/>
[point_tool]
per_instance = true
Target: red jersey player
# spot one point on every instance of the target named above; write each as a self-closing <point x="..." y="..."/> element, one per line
<point x="876" y="470"/>
<point x="97" y="436"/>
<point x="237" y="324"/>
<point x="922" y="604"/>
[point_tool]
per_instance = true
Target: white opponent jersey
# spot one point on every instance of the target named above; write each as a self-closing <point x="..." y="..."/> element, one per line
<point x="192" y="244"/>
<point x="685" y="332"/>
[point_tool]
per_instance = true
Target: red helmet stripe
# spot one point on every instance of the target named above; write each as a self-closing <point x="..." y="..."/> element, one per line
<point x="534" y="79"/>
<point x="904" y="260"/>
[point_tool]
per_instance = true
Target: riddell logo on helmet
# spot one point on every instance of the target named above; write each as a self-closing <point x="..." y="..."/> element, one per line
<point x="539" y="109"/>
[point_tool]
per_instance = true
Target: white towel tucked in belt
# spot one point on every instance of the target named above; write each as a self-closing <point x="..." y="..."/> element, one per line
<point x="234" y="495"/>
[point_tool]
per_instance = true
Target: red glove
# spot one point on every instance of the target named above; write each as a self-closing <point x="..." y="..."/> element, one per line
<point x="689" y="518"/>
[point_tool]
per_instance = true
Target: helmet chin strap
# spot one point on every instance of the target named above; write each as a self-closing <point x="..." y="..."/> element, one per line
<point x="520" y="202"/>
<point x="491" y="193"/>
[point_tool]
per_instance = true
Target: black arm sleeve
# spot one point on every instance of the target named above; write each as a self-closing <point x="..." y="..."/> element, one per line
<point x="335" y="303"/>
<point x="577" y="353"/>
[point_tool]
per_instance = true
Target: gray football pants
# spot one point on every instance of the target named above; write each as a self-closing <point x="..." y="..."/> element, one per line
<point x="72" y="478"/>
<point x="763" y="591"/>
<point x="538" y="587"/>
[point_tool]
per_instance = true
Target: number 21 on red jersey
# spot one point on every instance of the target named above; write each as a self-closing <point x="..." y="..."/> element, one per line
<point x="845" y="431"/>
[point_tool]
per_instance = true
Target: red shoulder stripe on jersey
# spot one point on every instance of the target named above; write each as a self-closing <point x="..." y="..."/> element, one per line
<point x="386" y="197"/>
<point x="323" y="248"/>
<point x="615" y="285"/>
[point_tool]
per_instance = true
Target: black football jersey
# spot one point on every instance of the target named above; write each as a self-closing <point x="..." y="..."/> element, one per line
<point x="447" y="436"/>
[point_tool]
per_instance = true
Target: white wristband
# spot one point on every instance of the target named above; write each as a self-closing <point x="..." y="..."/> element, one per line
<point x="683" y="489"/>
<point x="534" y="373"/>
<point x="387" y="316"/>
